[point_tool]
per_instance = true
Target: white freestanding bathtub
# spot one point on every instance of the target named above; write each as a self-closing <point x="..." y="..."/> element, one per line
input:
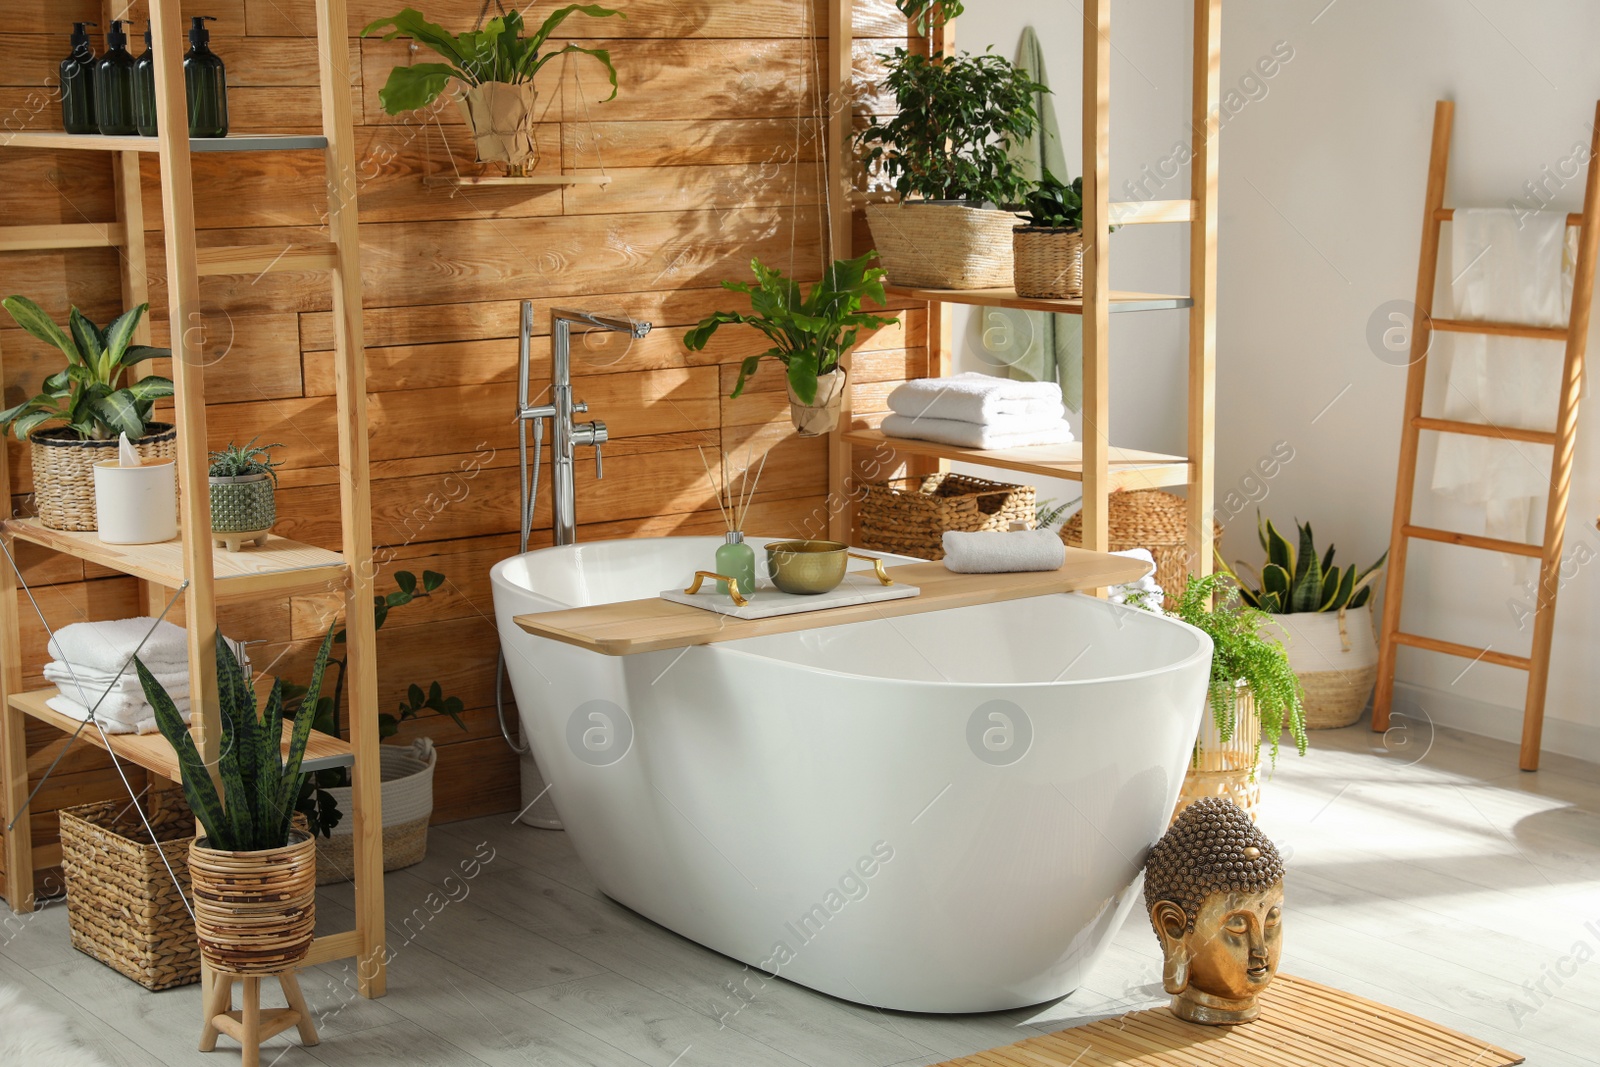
<point x="944" y="812"/>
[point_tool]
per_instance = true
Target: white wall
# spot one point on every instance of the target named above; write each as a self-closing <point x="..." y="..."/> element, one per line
<point x="1322" y="184"/>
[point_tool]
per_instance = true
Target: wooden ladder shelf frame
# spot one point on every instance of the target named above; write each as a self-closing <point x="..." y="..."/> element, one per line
<point x="1098" y="467"/>
<point x="1576" y="337"/>
<point x="186" y="263"/>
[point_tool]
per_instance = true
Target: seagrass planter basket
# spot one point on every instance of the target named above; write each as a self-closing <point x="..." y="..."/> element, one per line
<point x="63" y="471"/>
<point x="1047" y="262"/>
<point x="255" y="911"/>
<point x="1147" y="518"/>
<point x="407" y="795"/>
<point x="122" y="906"/>
<point x="943" y="245"/>
<point x="1227" y="769"/>
<point x="909" y="516"/>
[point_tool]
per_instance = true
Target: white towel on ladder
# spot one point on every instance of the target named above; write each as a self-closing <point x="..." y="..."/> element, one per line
<point x="1506" y="266"/>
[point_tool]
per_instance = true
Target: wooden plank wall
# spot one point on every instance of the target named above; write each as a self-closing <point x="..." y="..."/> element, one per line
<point x="713" y="146"/>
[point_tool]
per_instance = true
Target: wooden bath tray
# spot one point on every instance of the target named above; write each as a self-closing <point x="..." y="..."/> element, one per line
<point x="632" y="626"/>
<point x="1302" y="1024"/>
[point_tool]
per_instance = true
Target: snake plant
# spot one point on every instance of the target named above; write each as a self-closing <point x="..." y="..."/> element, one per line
<point x="260" y="787"/>
<point x="497" y="53"/>
<point x="88" y="394"/>
<point x="1298" y="580"/>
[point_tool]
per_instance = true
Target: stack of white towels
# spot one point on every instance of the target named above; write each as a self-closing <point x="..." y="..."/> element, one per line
<point x="92" y="668"/>
<point x="979" y="411"/>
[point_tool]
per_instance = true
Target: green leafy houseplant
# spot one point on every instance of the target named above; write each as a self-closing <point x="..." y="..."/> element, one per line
<point x="260" y="786"/>
<point x="809" y="333"/>
<point x="240" y="461"/>
<point x="497" y="53"/>
<point x="924" y="13"/>
<point x="1242" y="653"/>
<point x="959" y="116"/>
<point x="89" y="396"/>
<point x="1051" y="205"/>
<point x="1299" y="581"/>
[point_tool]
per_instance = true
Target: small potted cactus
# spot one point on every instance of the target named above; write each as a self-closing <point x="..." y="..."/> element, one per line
<point x="243" y="510"/>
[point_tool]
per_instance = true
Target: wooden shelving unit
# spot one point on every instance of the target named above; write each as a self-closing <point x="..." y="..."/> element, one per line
<point x="1101" y="466"/>
<point x="281" y="566"/>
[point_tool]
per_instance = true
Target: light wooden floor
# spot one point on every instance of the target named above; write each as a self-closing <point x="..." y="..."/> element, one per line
<point x="1428" y="874"/>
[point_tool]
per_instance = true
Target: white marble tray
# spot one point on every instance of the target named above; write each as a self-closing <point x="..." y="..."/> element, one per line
<point x="857" y="588"/>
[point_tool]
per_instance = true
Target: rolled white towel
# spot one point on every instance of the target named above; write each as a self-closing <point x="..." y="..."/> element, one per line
<point x="976" y="435"/>
<point x="108" y="645"/>
<point x="974" y="397"/>
<point x="1144" y="593"/>
<point x="1001" y="553"/>
<point x="172" y="679"/>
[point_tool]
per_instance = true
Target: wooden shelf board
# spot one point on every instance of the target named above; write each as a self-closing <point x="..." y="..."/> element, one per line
<point x="633" y="626"/>
<point x="1129" y="467"/>
<point x="1008" y="298"/>
<point x="151" y="751"/>
<point x="474" y="181"/>
<point x="94" y="142"/>
<point x="279" y="566"/>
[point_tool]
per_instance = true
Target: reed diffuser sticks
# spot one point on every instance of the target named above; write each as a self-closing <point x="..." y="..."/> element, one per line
<point x="734" y="506"/>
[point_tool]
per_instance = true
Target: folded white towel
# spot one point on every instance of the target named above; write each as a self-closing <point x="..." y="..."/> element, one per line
<point x="974" y="397"/>
<point x="173" y="680"/>
<point x="1000" y="553"/>
<point x="108" y="645"/>
<point x="118" y="706"/>
<point x="76" y="710"/>
<point x="976" y="435"/>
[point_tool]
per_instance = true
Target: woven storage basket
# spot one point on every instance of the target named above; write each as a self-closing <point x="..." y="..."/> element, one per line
<point x="407" y="806"/>
<point x="943" y="246"/>
<point x="1335" y="656"/>
<point x="63" y="471"/>
<point x="1047" y="262"/>
<point x="1226" y="769"/>
<point x="255" y="911"/>
<point x="1147" y="518"/>
<point x="909" y="516"/>
<point x="122" y="906"/>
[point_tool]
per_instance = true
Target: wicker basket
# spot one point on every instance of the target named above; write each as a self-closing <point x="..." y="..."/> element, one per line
<point x="1335" y="656"/>
<point x="122" y="906"/>
<point x="1047" y="262"/>
<point x="407" y="805"/>
<point x="1226" y="769"/>
<point x="1147" y="518"/>
<point x="63" y="471"/>
<point x="909" y="516"/>
<point x="943" y="246"/>
<point x="255" y="911"/>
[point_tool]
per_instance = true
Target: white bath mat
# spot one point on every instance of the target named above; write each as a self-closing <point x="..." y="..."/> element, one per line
<point x="33" y="1036"/>
<point x="768" y="601"/>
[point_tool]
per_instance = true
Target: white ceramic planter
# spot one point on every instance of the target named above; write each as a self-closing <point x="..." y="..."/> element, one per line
<point x="136" y="505"/>
<point x="1335" y="656"/>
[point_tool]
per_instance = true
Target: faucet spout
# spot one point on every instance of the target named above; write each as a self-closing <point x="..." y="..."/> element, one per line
<point x="614" y="323"/>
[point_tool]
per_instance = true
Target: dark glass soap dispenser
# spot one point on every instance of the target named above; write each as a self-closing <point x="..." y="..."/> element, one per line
<point x="77" y="83"/>
<point x="113" y="85"/>
<point x="144" y="88"/>
<point x="207" y="82"/>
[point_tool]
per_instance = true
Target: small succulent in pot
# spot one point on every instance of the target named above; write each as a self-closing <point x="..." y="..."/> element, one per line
<point x="243" y="478"/>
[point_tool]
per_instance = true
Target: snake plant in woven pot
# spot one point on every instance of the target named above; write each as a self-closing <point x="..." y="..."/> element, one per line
<point x="1324" y="613"/>
<point x="495" y="66"/>
<point x="253" y="874"/>
<point x="94" y="402"/>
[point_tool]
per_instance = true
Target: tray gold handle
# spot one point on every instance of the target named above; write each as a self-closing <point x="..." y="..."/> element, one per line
<point x="738" y="598"/>
<point x="877" y="566"/>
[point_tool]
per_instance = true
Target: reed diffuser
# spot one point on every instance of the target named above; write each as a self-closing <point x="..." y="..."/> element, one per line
<point x="735" y="559"/>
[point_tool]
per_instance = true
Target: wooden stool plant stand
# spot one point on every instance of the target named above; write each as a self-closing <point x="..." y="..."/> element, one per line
<point x="249" y="1025"/>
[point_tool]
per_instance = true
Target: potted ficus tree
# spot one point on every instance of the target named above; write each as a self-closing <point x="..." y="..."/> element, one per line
<point x="810" y="334"/>
<point x="495" y="67"/>
<point x="1253" y="695"/>
<point x="94" y="402"/>
<point x="253" y="873"/>
<point x="406" y="771"/>
<point x="947" y="155"/>
<point x="243" y="506"/>
<point x="1318" y="609"/>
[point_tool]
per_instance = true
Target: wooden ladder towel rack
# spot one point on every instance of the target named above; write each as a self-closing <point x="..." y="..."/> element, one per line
<point x="279" y="568"/>
<point x="1575" y="336"/>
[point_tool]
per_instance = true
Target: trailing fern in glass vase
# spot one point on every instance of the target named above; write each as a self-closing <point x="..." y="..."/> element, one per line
<point x="1241" y="653"/>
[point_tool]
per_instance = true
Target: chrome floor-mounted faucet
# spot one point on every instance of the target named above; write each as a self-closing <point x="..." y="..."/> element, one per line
<point x="565" y="435"/>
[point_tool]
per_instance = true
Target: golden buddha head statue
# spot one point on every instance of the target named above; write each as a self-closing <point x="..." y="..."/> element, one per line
<point x="1214" y="889"/>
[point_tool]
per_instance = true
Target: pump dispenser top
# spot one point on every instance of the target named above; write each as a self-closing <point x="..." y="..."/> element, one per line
<point x="206" y="81"/>
<point x="77" y="83"/>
